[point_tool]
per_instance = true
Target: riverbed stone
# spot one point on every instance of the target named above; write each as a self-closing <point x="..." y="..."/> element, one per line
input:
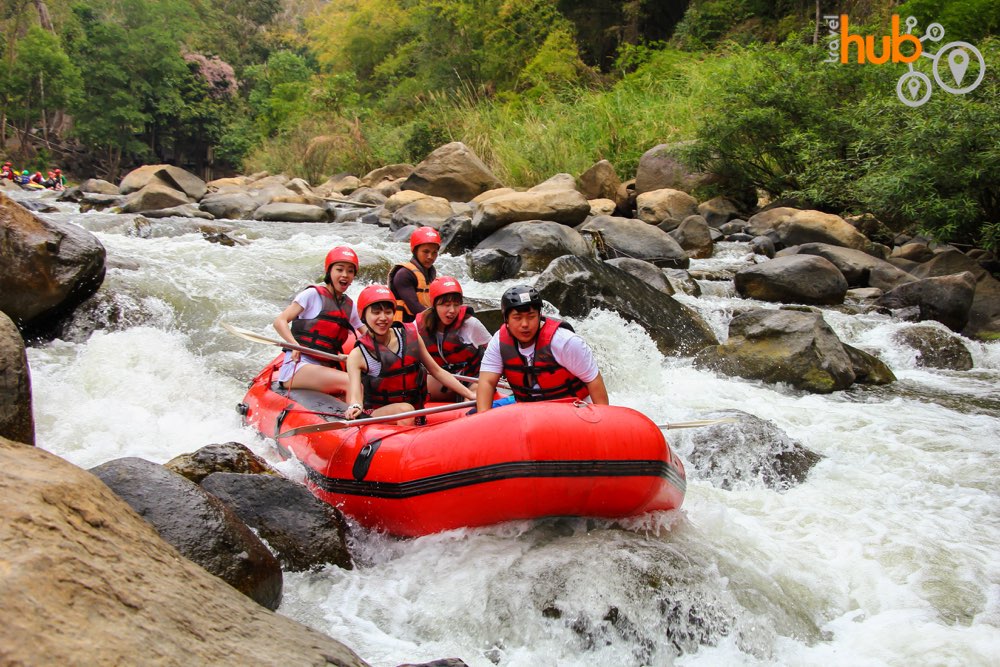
<point x="87" y="581"/>
<point x="600" y="181"/>
<point x="577" y="285"/>
<point x="682" y="281"/>
<point x="198" y="525"/>
<point x="567" y="207"/>
<point x="16" y="418"/>
<point x="493" y="264"/>
<point x="945" y="299"/>
<point x="602" y="206"/>
<point x="390" y="172"/>
<point x="49" y="267"/>
<point x="935" y="347"/>
<point x="694" y="236"/>
<point x="648" y="273"/>
<point x="788" y="346"/>
<point x="749" y="452"/>
<point x="537" y="242"/>
<point x="793" y="279"/>
<point x="452" y="171"/>
<point x="984" y="315"/>
<point x="796" y="226"/>
<point x="425" y="212"/>
<point x="304" y="532"/>
<point x="166" y="174"/>
<point x="283" y="212"/>
<point x="663" y="167"/>
<point x="718" y="211"/>
<point x="338" y="185"/>
<point x="182" y="211"/>
<point x="229" y="205"/>
<point x="154" y="195"/>
<point x="859" y="268"/>
<point x="557" y="182"/>
<point x="868" y="369"/>
<point x="220" y="457"/>
<point x="658" y="205"/>
<point x="627" y="237"/>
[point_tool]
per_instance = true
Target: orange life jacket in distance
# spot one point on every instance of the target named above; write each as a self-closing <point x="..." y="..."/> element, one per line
<point x="329" y="330"/>
<point x="552" y="380"/>
<point x="403" y="313"/>
<point x="402" y="379"/>
<point x="454" y="355"/>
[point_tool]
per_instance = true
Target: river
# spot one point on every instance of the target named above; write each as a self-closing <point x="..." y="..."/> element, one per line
<point x="888" y="554"/>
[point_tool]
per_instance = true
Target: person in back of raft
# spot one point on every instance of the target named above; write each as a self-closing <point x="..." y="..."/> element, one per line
<point x="452" y="335"/>
<point x="387" y="369"/>
<point x="321" y="317"/>
<point x="542" y="358"/>
<point x="410" y="281"/>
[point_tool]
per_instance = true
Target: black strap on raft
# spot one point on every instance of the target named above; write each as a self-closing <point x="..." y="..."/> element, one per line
<point x="364" y="460"/>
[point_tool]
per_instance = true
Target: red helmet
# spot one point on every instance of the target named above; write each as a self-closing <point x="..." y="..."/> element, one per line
<point x="422" y="235"/>
<point x="58" y="171"/>
<point x="340" y="254"/>
<point x="444" y="285"/>
<point x="374" y="294"/>
<point x="38" y="173"/>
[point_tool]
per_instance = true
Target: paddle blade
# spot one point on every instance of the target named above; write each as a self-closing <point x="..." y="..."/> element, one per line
<point x="696" y="424"/>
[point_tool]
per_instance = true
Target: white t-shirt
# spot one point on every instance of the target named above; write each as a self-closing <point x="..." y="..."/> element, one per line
<point x="570" y="351"/>
<point x="471" y="332"/>
<point x="312" y="304"/>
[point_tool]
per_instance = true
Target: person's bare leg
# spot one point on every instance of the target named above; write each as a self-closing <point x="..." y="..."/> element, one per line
<point x="395" y="409"/>
<point x="320" y="378"/>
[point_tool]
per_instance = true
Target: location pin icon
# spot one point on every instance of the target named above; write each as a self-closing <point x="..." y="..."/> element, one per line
<point x="958" y="62"/>
<point x="914" y="85"/>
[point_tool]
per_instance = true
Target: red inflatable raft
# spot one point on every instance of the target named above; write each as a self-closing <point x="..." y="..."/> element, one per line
<point x="523" y="461"/>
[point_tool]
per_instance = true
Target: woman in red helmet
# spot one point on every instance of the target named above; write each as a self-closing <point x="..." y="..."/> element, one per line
<point x="452" y="334"/>
<point x="321" y="317"/>
<point x="411" y="286"/>
<point x="388" y="367"/>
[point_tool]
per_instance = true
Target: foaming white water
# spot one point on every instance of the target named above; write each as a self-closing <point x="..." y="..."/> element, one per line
<point x="886" y="554"/>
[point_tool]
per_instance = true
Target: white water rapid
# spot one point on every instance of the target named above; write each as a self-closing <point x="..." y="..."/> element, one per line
<point x="888" y="554"/>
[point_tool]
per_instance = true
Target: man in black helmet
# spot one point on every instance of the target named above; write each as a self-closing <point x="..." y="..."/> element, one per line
<point x="542" y="358"/>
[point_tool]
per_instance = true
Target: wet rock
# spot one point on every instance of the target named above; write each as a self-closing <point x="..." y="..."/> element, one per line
<point x="16" y="420"/>
<point x="99" y="186"/>
<point x="452" y="171"/>
<point x="444" y="662"/>
<point x="182" y="211"/>
<point x="682" y="281"/>
<point x="577" y="285"/>
<point x="537" y="243"/>
<point x="749" y="452"/>
<point x="37" y="206"/>
<point x="492" y="264"/>
<point x="984" y="315"/>
<point x="795" y="227"/>
<point x="946" y="299"/>
<point x="283" y="212"/>
<point x="96" y="202"/>
<point x="762" y="245"/>
<point x="797" y="348"/>
<point x="365" y="195"/>
<point x="863" y="294"/>
<point x="793" y="279"/>
<point x="456" y="234"/>
<point x="718" y="211"/>
<point x="154" y="195"/>
<point x="734" y="227"/>
<point x="868" y="369"/>
<point x="694" y="236"/>
<point x="859" y="268"/>
<point x="625" y="237"/>
<point x="648" y="273"/>
<point x="87" y="581"/>
<point x="304" y="532"/>
<point x="198" y="525"/>
<point x="935" y="348"/>
<point x="166" y="175"/>
<point x="229" y="205"/>
<point x="223" y="457"/>
<point x="49" y="267"/>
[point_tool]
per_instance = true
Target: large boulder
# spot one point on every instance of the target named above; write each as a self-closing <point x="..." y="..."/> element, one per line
<point x="718" y="211"/>
<point x="426" y="212"/>
<point x="86" y="581"/>
<point x="154" y="195"/>
<point x="662" y="167"/>
<point x="789" y="346"/>
<point x="746" y="453"/>
<point x="198" y="525"/>
<point x="625" y="237"/>
<point x="935" y="348"/>
<point x="229" y="205"/>
<point x="16" y="420"/>
<point x="492" y="264"/>
<point x="284" y="212"/>
<point x="577" y="285"/>
<point x="657" y="206"/>
<point x="48" y="267"/>
<point x="859" y="268"/>
<point x="793" y="226"/>
<point x="567" y="207"/>
<point x="99" y="186"/>
<point x="304" y="532"/>
<point x="390" y="172"/>
<point x="600" y="182"/>
<point x="167" y="175"/>
<point x="537" y="243"/>
<point x="945" y="299"/>
<point x="793" y="279"/>
<point x="694" y="236"/>
<point x="984" y="316"/>
<point x="452" y="171"/>
<point x="648" y="273"/>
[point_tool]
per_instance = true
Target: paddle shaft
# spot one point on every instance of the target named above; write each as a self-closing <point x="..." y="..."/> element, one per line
<point x="337" y="425"/>
<point x="696" y="424"/>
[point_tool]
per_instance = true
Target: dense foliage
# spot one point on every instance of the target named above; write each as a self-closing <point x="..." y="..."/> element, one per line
<point x="535" y="87"/>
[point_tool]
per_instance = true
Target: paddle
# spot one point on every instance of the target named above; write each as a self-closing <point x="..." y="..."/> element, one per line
<point x="257" y="338"/>
<point x="696" y="424"/>
<point x="347" y="423"/>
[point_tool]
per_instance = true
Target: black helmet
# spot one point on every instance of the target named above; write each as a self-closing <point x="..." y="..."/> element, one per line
<point x="519" y="296"/>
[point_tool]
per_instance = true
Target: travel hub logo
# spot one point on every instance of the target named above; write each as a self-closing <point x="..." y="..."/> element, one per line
<point x="957" y="67"/>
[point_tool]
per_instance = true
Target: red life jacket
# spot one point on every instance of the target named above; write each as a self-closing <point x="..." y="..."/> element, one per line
<point x="329" y="330"/>
<point x="402" y="379"/>
<point x="455" y="355"/>
<point x="403" y="313"/>
<point x="553" y="380"/>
